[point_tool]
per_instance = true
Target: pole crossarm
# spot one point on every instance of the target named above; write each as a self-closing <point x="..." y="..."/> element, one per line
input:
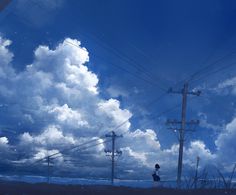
<point x="109" y="152"/>
<point x="173" y="122"/>
<point x="197" y="93"/>
<point x="113" y="134"/>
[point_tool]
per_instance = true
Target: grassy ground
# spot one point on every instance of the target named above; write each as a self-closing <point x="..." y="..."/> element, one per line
<point x="8" y="188"/>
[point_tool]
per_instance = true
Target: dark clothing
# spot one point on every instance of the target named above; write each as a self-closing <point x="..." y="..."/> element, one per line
<point x="156" y="177"/>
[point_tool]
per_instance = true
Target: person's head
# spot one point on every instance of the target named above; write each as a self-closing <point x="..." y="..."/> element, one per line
<point x="157" y="166"/>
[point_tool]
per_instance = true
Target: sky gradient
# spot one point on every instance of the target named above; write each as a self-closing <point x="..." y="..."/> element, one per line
<point x="71" y="72"/>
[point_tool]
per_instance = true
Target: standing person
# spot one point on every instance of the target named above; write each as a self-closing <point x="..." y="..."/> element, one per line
<point x="155" y="175"/>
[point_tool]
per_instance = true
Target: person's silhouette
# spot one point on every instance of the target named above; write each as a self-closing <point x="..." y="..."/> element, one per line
<point x="155" y="174"/>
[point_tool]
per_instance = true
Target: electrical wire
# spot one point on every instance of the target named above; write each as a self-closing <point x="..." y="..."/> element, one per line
<point x="121" y="55"/>
<point x="82" y="149"/>
<point x="65" y="150"/>
<point x="214" y="72"/>
<point x="146" y="79"/>
<point x="203" y="70"/>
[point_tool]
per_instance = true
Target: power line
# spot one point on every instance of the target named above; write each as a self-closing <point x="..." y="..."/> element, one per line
<point x="80" y="149"/>
<point x="147" y="106"/>
<point x="142" y="69"/>
<point x="146" y="79"/>
<point x="138" y="76"/>
<point x="155" y="116"/>
<point x="91" y="146"/>
<point x="214" y="72"/>
<point x="203" y="70"/>
<point x="68" y="149"/>
<point x="49" y="158"/>
<point x="155" y="100"/>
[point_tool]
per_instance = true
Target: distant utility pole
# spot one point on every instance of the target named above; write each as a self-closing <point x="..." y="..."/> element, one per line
<point x="196" y="173"/>
<point x="48" y="165"/>
<point x="182" y="123"/>
<point x="113" y="153"/>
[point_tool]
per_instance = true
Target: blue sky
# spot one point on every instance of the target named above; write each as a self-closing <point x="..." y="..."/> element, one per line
<point x="55" y="93"/>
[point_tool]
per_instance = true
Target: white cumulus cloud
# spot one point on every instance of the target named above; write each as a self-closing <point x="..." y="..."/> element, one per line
<point x="57" y="100"/>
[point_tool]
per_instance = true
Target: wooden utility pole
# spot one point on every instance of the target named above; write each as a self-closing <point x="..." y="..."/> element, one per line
<point x="196" y="173"/>
<point x="48" y="166"/>
<point x="113" y="153"/>
<point x="184" y="92"/>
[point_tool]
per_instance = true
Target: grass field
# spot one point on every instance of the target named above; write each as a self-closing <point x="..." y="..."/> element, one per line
<point x="8" y="188"/>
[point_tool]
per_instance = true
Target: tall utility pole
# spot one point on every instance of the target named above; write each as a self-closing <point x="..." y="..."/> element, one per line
<point x="184" y="92"/>
<point x="113" y="153"/>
